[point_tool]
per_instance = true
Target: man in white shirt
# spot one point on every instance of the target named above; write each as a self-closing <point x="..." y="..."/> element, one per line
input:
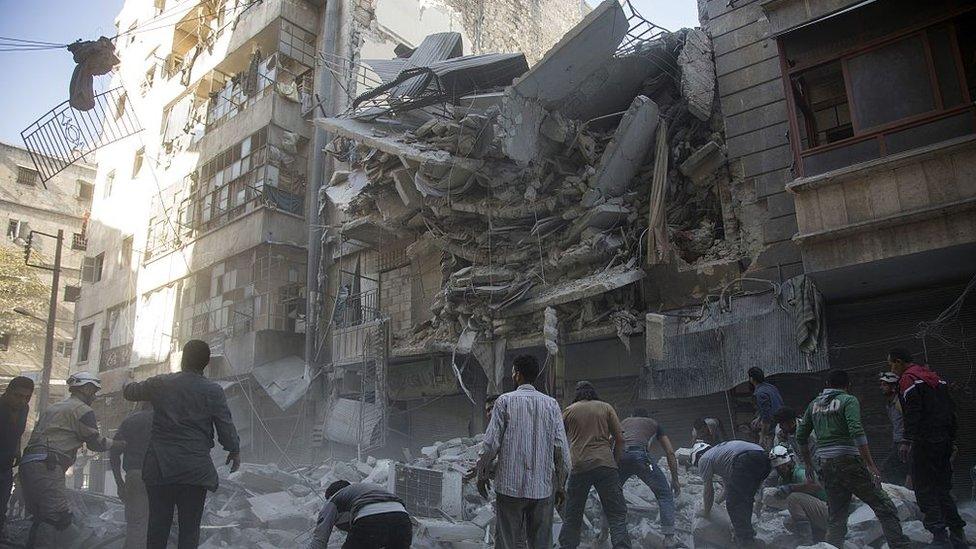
<point x="527" y="436"/>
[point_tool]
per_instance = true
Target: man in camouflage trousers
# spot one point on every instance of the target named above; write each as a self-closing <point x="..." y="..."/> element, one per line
<point x="845" y="462"/>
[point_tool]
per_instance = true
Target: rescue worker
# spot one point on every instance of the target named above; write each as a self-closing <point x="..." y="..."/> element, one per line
<point x="708" y="429"/>
<point x="134" y="431"/>
<point x="372" y="517"/>
<point x="806" y="499"/>
<point x="894" y="470"/>
<point x="930" y="435"/>
<point x="743" y="466"/>
<point x="845" y="461"/>
<point x="640" y="432"/>
<point x="787" y="421"/>
<point x="53" y="446"/>
<point x="768" y="402"/>
<point x="14" y="407"/>
<point x="177" y="470"/>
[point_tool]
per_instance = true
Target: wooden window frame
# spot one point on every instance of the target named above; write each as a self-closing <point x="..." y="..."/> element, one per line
<point x="880" y="131"/>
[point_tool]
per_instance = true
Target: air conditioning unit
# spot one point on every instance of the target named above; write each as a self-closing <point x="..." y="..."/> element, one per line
<point x="427" y="492"/>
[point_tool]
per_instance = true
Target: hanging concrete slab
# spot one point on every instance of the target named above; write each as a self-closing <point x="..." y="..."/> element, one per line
<point x="628" y="149"/>
<point x="574" y="290"/>
<point x="697" y="74"/>
<point x="583" y="50"/>
<point x="285" y="380"/>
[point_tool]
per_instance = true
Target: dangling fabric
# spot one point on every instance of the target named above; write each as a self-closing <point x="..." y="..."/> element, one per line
<point x="93" y="58"/>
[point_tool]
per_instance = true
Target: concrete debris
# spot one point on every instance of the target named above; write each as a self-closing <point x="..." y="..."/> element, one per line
<point x="529" y="206"/>
<point x="697" y="74"/>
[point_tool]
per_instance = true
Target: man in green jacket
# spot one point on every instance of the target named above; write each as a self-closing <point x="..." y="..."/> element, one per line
<point x="845" y="461"/>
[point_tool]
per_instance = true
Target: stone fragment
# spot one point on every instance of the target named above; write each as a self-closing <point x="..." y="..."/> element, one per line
<point x="626" y="152"/>
<point x="697" y="74"/>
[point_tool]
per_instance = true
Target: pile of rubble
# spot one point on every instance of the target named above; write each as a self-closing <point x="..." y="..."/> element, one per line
<point x="265" y="507"/>
<point x="550" y="190"/>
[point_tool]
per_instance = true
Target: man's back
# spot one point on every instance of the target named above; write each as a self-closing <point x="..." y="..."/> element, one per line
<point x="589" y="427"/>
<point x="720" y="458"/>
<point x="187" y="408"/>
<point x="525" y="429"/>
<point x="13" y="420"/>
<point x="640" y="431"/>
<point x="135" y="430"/>
<point x="64" y="427"/>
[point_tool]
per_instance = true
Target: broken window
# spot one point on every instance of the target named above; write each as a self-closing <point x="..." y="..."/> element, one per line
<point x="91" y="271"/>
<point x="63" y="349"/>
<point x="84" y="342"/>
<point x="886" y="97"/>
<point x="14" y="227"/>
<point x="107" y="187"/>
<point x="27" y="176"/>
<point x="137" y="162"/>
<point x="85" y="190"/>
<point x="72" y="293"/>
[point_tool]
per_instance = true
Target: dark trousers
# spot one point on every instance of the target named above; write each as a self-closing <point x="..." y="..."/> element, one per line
<point x="845" y="476"/>
<point x="606" y="480"/>
<point x="6" y="485"/>
<point x="187" y="501"/>
<point x="523" y="522"/>
<point x="638" y="462"/>
<point x="894" y="470"/>
<point x="932" y="479"/>
<point x="749" y="470"/>
<point x="389" y="530"/>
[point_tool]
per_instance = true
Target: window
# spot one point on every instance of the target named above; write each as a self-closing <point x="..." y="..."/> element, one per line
<point x="79" y="242"/>
<point x="85" y="190"/>
<point x="150" y="77"/>
<point x="84" y="342"/>
<point x="27" y="176"/>
<point x="4" y="342"/>
<point x="14" y="227"/>
<point x="63" y="349"/>
<point x="125" y="253"/>
<point x="109" y="181"/>
<point x="890" y="95"/>
<point x="72" y="294"/>
<point x="137" y="162"/>
<point x="92" y="269"/>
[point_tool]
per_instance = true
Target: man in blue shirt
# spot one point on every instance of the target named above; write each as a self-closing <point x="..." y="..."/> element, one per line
<point x="372" y="516"/>
<point x="768" y="402"/>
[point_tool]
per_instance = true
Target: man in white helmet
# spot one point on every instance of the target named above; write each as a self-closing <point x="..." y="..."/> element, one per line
<point x="53" y="446"/>
<point x="806" y="500"/>
<point x="744" y="466"/>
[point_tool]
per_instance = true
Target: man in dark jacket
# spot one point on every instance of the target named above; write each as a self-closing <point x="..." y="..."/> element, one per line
<point x="768" y="402"/>
<point x="177" y="469"/>
<point x="930" y="433"/>
<point x="13" y="420"/>
<point x="372" y="517"/>
<point x="134" y="431"/>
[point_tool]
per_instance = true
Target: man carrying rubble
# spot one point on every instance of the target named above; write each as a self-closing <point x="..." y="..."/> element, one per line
<point x="743" y="466"/>
<point x="806" y="499"/>
<point x="134" y="432"/>
<point x="177" y="469"/>
<point x="596" y="445"/>
<point x="768" y="402"/>
<point x="640" y="432"/>
<point x="371" y="516"/>
<point x="53" y="446"/>
<point x="845" y="461"/>
<point x="14" y="407"/>
<point x="526" y="436"/>
<point x="894" y="469"/>
<point x="929" y="441"/>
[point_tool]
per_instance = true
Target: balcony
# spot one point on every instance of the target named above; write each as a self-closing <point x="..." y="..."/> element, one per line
<point x="354" y="315"/>
<point x="915" y="204"/>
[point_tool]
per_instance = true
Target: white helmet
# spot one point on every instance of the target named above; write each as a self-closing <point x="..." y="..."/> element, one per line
<point x="889" y="377"/>
<point x="779" y="455"/>
<point x="79" y="379"/>
<point x="698" y="450"/>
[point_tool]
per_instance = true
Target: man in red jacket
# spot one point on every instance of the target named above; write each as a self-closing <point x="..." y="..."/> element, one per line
<point x="930" y="434"/>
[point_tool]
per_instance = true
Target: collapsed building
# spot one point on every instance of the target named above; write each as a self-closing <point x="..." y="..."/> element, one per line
<point x="480" y="209"/>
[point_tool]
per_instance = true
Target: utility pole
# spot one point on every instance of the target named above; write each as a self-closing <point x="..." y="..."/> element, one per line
<point x="52" y="313"/>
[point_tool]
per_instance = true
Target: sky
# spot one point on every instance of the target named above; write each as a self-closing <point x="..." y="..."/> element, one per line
<point x="37" y="81"/>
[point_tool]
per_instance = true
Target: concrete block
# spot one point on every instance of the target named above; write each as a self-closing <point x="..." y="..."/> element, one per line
<point x="772" y="182"/>
<point x="628" y="149"/>
<point x="703" y="162"/>
<point x="403" y="181"/>
<point x="697" y="74"/>
<point x="756" y="118"/>
<point x="654" y="337"/>
<point x="780" y="204"/>
<point x="750" y="76"/>
<point x="781" y="228"/>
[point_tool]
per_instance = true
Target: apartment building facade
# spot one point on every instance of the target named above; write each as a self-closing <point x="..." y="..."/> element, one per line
<point x="27" y="204"/>
<point x="199" y="223"/>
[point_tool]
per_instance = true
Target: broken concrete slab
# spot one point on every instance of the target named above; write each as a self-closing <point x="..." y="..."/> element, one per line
<point x="704" y="162"/>
<point x="583" y="50"/>
<point x="697" y="74"/>
<point x="435" y="47"/>
<point x="574" y="290"/>
<point x="628" y="149"/>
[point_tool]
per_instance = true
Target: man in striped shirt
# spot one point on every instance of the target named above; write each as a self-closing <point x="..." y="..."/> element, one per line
<point x="527" y="437"/>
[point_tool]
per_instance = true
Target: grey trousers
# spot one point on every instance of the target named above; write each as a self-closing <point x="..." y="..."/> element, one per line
<point x="136" y="510"/>
<point x="523" y="522"/>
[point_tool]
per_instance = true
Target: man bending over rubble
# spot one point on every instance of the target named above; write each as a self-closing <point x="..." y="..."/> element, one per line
<point x="744" y="466"/>
<point x="597" y="446"/>
<point x="526" y="435"/>
<point x="640" y="431"/>
<point x="845" y="461"/>
<point x="806" y="500"/>
<point x="372" y="517"/>
<point x="177" y="469"/>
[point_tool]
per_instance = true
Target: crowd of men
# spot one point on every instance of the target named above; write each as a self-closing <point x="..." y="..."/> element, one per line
<point x="538" y="459"/>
